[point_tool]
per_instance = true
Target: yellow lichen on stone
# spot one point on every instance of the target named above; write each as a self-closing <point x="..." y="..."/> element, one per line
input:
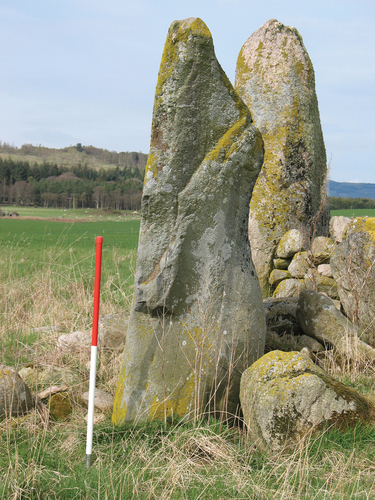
<point x="366" y="224"/>
<point x="229" y="141"/>
<point x="179" y="404"/>
<point x="275" y="78"/>
<point x="284" y="396"/>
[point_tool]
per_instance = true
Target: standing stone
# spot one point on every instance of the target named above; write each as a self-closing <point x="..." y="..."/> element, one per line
<point x="275" y="78"/>
<point x="197" y="319"/>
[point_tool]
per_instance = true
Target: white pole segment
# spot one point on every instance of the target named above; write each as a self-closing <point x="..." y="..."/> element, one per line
<point x="90" y="414"/>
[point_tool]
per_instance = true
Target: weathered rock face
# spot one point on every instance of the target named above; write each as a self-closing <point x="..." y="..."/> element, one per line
<point x="319" y="318"/>
<point x="102" y="401"/>
<point x="112" y="331"/>
<point x="281" y="315"/>
<point x="197" y="320"/>
<point x="284" y="396"/>
<point x="322" y="249"/>
<point x="353" y="268"/>
<point x="337" y="227"/>
<point x="15" y="397"/>
<point x="289" y="244"/>
<point x="275" y="78"/>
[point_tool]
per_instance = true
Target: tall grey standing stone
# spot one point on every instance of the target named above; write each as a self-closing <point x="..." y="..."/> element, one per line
<point x="197" y="319"/>
<point x="275" y="78"/>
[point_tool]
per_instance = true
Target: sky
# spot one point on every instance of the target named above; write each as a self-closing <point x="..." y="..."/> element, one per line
<point x="86" y="70"/>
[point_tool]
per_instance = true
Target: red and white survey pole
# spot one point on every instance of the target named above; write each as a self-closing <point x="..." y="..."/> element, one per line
<point x="94" y="349"/>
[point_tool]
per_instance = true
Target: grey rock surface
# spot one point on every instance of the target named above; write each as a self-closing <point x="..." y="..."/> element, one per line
<point x="74" y="340"/>
<point x="353" y="268"/>
<point x="197" y="320"/>
<point x="112" y="331"/>
<point x="275" y="78"/>
<point x="337" y="227"/>
<point x="325" y="270"/>
<point x="320" y="319"/>
<point x="281" y="315"/>
<point x="15" y="396"/>
<point x="285" y="396"/>
<point x="103" y="401"/>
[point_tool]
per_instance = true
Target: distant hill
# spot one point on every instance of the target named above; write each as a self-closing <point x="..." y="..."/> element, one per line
<point x="351" y="190"/>
<point x="70" y="156"/>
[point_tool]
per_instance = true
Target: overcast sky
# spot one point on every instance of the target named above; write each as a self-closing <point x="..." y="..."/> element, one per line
<point x="85" y="70"/>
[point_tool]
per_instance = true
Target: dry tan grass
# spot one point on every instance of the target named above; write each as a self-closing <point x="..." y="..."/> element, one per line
<point x="188" y="461"/>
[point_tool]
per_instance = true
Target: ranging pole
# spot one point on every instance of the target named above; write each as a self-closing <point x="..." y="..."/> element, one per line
<point x="94" y="349"/>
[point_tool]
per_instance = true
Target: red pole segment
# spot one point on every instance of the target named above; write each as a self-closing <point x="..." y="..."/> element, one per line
<point x="94" y="348"/>
<point x="98" y="270"/>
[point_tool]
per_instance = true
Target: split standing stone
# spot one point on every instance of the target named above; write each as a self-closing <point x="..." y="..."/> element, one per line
<point x="197" y="319"/>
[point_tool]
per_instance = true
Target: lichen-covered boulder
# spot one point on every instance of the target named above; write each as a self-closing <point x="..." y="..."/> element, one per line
<point x="278" y="275"/>
<point x="323" y="284"/>
<point x="284" y="396"/>
<point x="337" y="227"/>
<point x="197" y="319"/>
<point x="290" y="243"/>
<point x="353" y="268"/>
<point x="319" y="318"/>
<point x="275" y="78"/>
<point x="322" y="249"/>
<point x="289" y="288"/>
<point x="15" y="396"/>
<point x="300" y="265"/>
<point x="279" y="263"/>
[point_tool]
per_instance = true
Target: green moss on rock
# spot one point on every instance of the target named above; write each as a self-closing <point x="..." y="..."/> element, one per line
<point x="60" y="407"/>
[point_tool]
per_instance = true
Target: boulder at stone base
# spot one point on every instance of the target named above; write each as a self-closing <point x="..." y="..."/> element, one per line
<point x="285" y="396"/>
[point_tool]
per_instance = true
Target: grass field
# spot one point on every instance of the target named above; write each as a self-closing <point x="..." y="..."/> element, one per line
<point x="47" y="276"/>
<point x="88" y="214"/>
<point x="354" y="212"/>
<point x="46" y="279"/>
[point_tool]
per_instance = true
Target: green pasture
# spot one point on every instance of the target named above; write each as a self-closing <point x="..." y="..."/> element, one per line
<point x="354" y="212"/>
<point x="61" y="214"/>
<point x="67" y="250"/>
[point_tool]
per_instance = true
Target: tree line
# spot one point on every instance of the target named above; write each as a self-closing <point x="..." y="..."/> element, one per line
<point x="51" y="185"/>
<point x="336" y="203"/>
